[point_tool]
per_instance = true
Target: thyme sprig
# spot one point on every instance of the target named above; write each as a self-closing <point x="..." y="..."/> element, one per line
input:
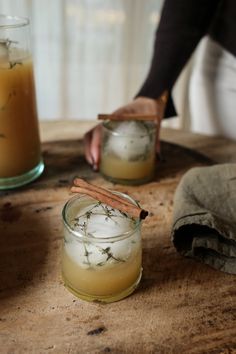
<point x="5" y="45"/>
<point x="109" y="213"/>
<point x="109" y="254"/>
<point x="9" y="97"/>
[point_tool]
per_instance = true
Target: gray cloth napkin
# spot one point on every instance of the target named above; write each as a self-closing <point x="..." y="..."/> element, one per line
<point x="204" y="220"/>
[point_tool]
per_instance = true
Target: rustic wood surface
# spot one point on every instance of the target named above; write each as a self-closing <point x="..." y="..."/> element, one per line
<point x="181" y="306"/>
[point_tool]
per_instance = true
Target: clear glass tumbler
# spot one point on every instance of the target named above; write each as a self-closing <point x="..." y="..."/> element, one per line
<point x="102" y="253"/>
<point x="128" y="151"/>
<point x="20" y="154"/>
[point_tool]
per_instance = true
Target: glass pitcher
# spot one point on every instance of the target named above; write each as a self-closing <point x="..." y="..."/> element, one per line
<point x="20" y="154"/>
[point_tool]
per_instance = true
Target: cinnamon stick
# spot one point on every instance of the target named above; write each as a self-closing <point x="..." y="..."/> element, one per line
<point x="79" y="182"/>
<point x="109" y="198"/>
<point x="128" y="116"/>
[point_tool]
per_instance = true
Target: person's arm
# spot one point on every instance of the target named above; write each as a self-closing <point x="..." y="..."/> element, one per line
<point x="183" y="23"/>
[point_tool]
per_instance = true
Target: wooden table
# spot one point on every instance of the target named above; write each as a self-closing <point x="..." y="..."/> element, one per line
<point x="181" y="306"/>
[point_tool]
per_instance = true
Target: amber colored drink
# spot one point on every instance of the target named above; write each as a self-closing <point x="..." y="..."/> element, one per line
<point x="19" y="136"/>
<point x="128" y="151"/>
<point x="102" y="253"/>
<point x="101" y="281"/>
<point x="116" y="168"/>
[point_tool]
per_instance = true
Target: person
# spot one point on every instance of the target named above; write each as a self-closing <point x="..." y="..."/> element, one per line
<point x="183" y="24"/>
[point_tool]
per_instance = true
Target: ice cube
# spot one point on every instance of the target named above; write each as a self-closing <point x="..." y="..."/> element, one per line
<point x="130" y="140"/>
<point x="99" y="225"/>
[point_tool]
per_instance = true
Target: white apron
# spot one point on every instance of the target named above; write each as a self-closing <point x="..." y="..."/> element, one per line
<point x="212" y="92"/>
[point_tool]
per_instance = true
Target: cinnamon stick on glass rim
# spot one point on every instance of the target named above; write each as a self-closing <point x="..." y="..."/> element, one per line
<point x="105" y="196"/>
<point x="129" y="116"/>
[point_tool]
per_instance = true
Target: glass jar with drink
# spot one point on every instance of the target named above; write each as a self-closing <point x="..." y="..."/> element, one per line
<point x="102" y="253"/>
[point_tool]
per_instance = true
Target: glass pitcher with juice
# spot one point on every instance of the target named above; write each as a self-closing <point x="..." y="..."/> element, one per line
<point x="20" y="154"/>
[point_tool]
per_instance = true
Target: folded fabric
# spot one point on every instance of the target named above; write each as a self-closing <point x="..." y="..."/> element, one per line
<point x="204" y="217"/>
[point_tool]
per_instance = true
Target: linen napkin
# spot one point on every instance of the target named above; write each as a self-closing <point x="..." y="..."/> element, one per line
<point x="204" y="217"/>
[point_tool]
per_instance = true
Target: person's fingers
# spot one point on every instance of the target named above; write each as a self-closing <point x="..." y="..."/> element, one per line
<point x="124" y="110"/>
<point x="158" y="143"/>
<point x="95" y="146"/>
<point x="87" y="143"/>
<point x="158" y="147"/>
<point x="141" y="105"/>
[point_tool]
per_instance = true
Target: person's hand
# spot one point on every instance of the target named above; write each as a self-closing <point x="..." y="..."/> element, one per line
<point x="140" y="105"/>
<point x="92" y="141"/>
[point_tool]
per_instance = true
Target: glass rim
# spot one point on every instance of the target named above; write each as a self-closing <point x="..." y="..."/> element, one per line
<point x="17" y="21"/>
<point x="92" y="238"/>
<point x="106" y="123"/>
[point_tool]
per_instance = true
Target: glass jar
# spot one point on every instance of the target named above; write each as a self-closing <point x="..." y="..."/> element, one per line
<point x="102" y="254"/>
<point x="20" y="155"/>
<point x="128" y="151"/>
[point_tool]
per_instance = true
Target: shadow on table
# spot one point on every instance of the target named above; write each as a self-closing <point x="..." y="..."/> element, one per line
<point x="177" y="159"/>
<point x="65" y="159"/>
<point x="23" y="246"/>
<point x="164" y="267"/>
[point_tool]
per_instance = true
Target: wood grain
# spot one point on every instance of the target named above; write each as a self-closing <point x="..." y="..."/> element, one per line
<point x="181" y="306"/>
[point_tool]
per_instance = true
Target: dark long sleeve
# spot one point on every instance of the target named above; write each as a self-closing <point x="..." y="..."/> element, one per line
<point x="183" y="23"/>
